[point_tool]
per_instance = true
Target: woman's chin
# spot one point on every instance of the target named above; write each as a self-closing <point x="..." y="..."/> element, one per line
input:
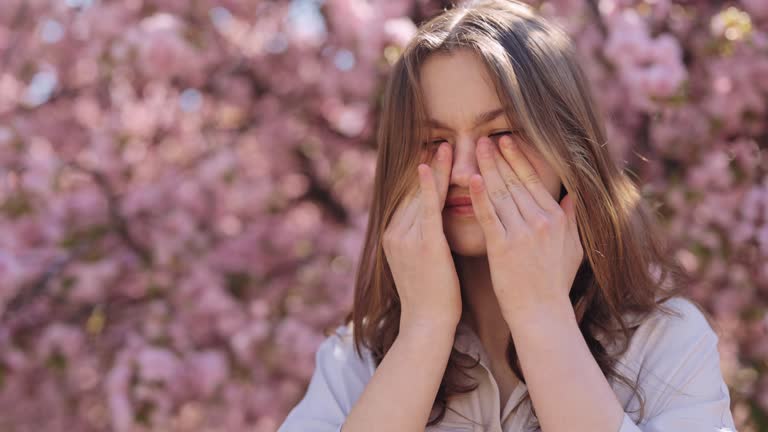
<point x="467" y="246"/>
<point x="464" y="235"/>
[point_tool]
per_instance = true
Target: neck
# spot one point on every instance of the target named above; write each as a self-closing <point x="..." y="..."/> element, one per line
<point x="480" y="306"/>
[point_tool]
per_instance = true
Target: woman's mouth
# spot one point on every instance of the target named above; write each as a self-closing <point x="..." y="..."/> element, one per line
<point x="460" y="209"/>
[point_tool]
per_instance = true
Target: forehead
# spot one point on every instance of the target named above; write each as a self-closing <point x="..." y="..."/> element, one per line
<point x="457" y="87"/>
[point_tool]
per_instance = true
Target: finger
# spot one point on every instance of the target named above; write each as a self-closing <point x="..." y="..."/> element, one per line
<point x="441" y="165"/>
<point x="484" y="211"/>
<point x="499" y="195"/>
<point x="432" y="215"/>
<point x="526" y="204"/>
<point x="516" y="158"/>
<point x="402" y="218"/>
<point x="411" y="213"/>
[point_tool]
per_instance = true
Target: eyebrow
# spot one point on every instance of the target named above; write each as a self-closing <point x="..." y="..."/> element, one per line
<point x="481" y="119"/>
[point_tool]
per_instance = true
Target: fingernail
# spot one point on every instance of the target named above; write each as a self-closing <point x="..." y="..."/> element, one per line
<point x="476" y="182"/>
<point x="507" y="143"/>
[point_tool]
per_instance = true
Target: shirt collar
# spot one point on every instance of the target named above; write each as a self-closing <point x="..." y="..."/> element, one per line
<point x="467" y="342"/>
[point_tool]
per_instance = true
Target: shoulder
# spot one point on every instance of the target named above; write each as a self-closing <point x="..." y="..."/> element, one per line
<point x="343" y="370"/>
<point x="674" y="359"/>
<point x="667" y="336"/>
<point x="337" y="351"/>
<point x="337" y="382"/>
<point x="667" y="332"/>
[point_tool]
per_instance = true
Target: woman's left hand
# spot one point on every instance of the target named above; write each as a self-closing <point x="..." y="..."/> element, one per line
<point x="532" y="241"/>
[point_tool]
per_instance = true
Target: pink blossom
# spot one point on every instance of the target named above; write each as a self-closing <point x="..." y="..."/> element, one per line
<point x="163" y="52"/>
<point x="157" y="364"/>
<point x="61" y="339"/>
<point x="184" y="214"/>
<point x="399" y="30"/>
<point x="207" y="371"/>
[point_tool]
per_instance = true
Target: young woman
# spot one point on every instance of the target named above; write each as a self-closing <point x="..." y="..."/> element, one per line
<point x="512" y="278"/>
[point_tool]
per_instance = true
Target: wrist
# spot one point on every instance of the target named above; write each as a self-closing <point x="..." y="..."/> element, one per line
<point x="428" y="328"/>
<point x="555" y="310"/>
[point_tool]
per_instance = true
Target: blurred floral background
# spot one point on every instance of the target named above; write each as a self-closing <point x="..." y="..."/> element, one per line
<point x="184" y="188"/>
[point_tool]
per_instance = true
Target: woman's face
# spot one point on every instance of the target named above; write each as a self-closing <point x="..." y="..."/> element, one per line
<point x="457" y="91"/>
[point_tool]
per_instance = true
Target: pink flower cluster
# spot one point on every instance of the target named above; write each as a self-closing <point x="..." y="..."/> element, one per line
<point x="184" y="187"/>
<point x="650" y="68"/>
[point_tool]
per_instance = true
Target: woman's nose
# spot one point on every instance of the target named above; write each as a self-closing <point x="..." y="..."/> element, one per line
<point x="464" y="163"/>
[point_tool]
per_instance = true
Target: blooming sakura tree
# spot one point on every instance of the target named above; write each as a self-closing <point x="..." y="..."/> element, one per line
<point x="184" y="189"/>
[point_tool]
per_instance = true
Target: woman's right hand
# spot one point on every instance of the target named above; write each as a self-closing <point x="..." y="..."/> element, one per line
<point x="417" y="250"/>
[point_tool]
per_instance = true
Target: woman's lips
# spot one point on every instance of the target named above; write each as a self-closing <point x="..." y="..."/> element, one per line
<point x="461" y="209"/>
<point x="458" y="200"/>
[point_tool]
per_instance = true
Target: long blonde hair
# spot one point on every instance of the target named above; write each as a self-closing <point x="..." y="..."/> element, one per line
<point x="536" y="73"/>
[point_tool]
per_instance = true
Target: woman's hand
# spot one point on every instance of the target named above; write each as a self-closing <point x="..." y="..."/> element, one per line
<point x="418" y="253"/>
<point x="532" y="242"/>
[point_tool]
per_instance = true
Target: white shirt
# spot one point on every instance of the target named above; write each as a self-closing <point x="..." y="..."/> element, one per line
<point x="675" y="359"/>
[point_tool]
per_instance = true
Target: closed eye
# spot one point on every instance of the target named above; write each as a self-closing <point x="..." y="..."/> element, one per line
<point x="502" y="133"/>
<point x="437" y="142"/>
<point x="434" y="142"/>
